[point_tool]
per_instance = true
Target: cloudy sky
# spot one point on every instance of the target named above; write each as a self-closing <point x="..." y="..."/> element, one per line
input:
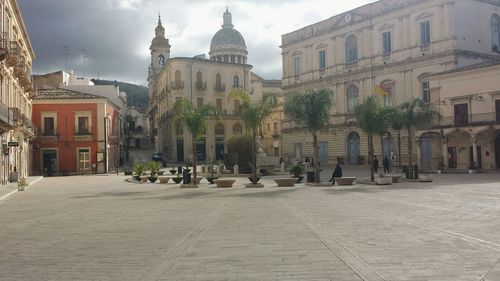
<point x="109" y="39"/>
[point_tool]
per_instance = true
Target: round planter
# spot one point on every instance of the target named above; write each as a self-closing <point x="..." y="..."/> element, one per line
<point x="211" y="179"/>
<point x="252" y="181"/>
<point x="299" y="179"/>
<point x="137" y="178"/>
<point x="152" y="179"/>
<point x="177" y="180"/>
<point x="173" y="171"/>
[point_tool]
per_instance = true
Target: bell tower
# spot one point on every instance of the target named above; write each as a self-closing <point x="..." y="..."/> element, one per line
<point x="160" y="50"/>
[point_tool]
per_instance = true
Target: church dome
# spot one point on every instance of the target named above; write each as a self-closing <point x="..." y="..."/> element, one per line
<point x="228" y="44"/>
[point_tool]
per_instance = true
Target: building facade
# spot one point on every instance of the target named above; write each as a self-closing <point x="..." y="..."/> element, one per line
<point x="391" y="44"/>
<point x="202" y="81"/>
<point x="16" y="92"/>
<point x="78" y="133"/>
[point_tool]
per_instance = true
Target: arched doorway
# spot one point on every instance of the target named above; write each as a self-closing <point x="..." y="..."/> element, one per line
<point x="353" y="148"/>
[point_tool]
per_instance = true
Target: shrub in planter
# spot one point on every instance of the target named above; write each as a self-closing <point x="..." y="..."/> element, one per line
<point x="153" y="166"/>
<point x="21" y="184"/>
<point x="139" y="170"/>
<point x="297" y="171"/>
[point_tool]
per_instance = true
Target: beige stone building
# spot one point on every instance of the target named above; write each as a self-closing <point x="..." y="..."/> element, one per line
<point x="202" y="81"/>
<point x="397" y="45"/>
<point x="16" y="92"/>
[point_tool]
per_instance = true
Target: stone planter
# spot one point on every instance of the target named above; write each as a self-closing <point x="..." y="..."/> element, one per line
<point x="144" y="178"/>
<point x="163" y="179"/>
<point x="224" y="183"/>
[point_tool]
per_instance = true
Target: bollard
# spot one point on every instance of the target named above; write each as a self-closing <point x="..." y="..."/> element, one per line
<point x="236" y="170"/>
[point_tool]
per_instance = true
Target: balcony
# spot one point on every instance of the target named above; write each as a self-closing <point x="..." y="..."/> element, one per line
<point x="480" y="119"/>
<point x="16" y="116"/>
<point x="177" y="85"/>
<point x="276" y="135"/>
<point x="27" y="124"/>
<point x="4" y="46"/>
<point x="83" y="135"/>
<point x="201" y="86"/>
<point x="425" y="47"/>
<point x="14" y="54"/>
<point x="49" y="135"/>
<point x="220" y="87"/>
<point x="6" y="118"/>
<point x="386" y="56"/>
<point x="22" y="72"/>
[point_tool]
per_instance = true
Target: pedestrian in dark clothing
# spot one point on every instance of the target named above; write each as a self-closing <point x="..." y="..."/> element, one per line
<point x="375" y="164"/>
<point x="386" y="164"/>
<point x="337" y="173"/>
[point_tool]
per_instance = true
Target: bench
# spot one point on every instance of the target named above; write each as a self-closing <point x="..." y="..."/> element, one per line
<point x="383" y="181"/>
<point x="224" y="182"/>
<point x="345" y="180"/>
<point x="285" y="182"/>
<point x="424" y="178"/>
<point x="163" y="179"/>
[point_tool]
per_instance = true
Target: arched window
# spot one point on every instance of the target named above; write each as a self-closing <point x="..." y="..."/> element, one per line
<point x="161" y="60"/>
<point x="236" y="81"/>
<point x="351" y="49"/>
<point x="219" y="130"/>
<point x="494" y="29"/>
<point x="218" y="82"/>
<point x="237" y="129"/>
<point x="199" y="81"/>
<point x="352" y="98"/>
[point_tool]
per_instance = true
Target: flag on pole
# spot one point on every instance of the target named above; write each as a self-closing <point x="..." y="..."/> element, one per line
<point x="380" y="91"/>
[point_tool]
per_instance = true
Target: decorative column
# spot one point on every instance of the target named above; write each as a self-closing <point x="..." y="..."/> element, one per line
<point x="419" y="152"/>
<point x="474" y="148"/>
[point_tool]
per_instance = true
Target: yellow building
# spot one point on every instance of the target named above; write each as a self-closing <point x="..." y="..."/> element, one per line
<point x="202" y="81"/>
<point x="16" y="92"/>
<point x="390" y="44"/>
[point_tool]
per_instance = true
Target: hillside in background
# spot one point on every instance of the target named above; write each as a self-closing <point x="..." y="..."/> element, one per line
<point x="137" y="95"/>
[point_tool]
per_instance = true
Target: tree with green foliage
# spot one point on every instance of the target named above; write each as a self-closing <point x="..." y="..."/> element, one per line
<point x="195" y="120"/>
<point x="310" y="109"/>
<point x="415" y="113"/>
<point x="253" y="114"/>
<point x="395" y="120"/>
<point x="371" y="118"/>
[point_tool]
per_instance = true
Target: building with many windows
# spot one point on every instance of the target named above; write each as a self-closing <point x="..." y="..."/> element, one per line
<point x="78" y="133"/>
<point x="391" y="47"/>
<point x="16" y="92"/>
<point x="202" y="81"/>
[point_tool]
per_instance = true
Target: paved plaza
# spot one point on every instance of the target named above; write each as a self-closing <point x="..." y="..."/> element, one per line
<point x="103" y="228"/>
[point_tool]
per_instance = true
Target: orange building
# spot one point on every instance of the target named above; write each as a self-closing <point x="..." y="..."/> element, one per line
<point x="77" y="133"/>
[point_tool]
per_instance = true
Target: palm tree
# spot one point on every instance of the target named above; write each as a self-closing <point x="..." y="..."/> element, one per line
<point x="195" y="120"/>
<point x="371" y="118"/>
<point x="414" y="113"/>
<point x="310" y="109"/>
<point x="395" y="121"/>
<point x="253" y="114"/>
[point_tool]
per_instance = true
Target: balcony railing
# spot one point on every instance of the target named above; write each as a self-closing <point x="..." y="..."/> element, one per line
<point x="177" y="85"/>
<point x="220" y="87"/>
<point x="425" y="47"/>
<point x="6" y="117"/>
<point x="386" y="56"/>
<point x="480" y="119"/>
<point x="14" y="53"/>
<point x="201" y="86"/>
<point x="4" y="46"/>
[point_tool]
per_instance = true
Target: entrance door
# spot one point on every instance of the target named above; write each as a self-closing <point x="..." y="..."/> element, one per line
<point x="426" y="153"/>
<point x="84" y="160"/>
<point x="497" y="110"/>
<point x="497" y="151"/>
<point x="387" y="146"/>
<point x="461" y="114"/>
<point x="219" y="149"/>
<point x="452" y="157"/>
<point x="323" y="151"/>
<point x="49" y="158"/>
<point x="298" y="151"/>
<point x="201" y="151"/>
<point x="180" y="150"/>
<point x="353" y="148"/>
<point x="479" y="156"/>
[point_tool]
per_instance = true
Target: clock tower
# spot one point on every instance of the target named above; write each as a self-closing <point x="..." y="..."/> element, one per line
<point x="160" y="50"/>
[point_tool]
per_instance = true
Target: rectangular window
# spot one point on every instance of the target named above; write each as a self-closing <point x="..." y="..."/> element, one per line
<point x="83" y="125"/>
<point x="322" y="60"/>
<point x="48" y="126"/>
<point x="84" y="159"/>
<point x="386" y="42"/>
<point x="275" y="127"/>
<point x="425" y="33"/>
<point x="268" y="127"/>
<point x="199" y="102"/>
<point x="426" y="93"/>
<point x="296" y="67"/>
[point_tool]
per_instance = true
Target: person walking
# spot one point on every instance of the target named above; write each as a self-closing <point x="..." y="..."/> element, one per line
<point x="337" y="173"/>
<point x="386" y="164"/>
<point x="375" y="164"/>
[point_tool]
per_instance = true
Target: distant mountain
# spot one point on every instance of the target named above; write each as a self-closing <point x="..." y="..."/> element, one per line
<point x="137" y="95"/>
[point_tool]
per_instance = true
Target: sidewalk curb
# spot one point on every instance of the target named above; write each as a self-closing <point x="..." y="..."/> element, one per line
<point x="14" y="191"/>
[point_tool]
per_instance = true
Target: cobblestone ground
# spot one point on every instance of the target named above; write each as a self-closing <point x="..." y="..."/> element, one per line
<point x="103" y="228"/>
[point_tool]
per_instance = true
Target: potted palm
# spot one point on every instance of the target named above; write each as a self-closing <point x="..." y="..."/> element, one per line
<point x="440" y="167"/>
<point x="297" y="171"/>
<point x="153" y="176"/>
<point x="138" y="170"/>
<point x="472" y="167"/>
<point x="211" y="170"/>
<point x="22" y="184"/>
<point x="127" y="171"/>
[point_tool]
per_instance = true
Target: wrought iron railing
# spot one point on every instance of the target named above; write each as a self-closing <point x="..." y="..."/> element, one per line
<point x="479" y="119"/>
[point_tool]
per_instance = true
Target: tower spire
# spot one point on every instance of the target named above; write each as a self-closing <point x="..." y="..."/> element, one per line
<point x="228" y="21"/>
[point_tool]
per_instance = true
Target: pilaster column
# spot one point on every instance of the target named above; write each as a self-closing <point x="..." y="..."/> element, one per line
<point x="445" y="153"/>
<point x="419" y="151"/>
<point x="474" y="148"/>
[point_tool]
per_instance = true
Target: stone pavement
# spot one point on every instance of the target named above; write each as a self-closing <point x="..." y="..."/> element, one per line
<point x="103" y="228"/>
<point x="11" y="188"/>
